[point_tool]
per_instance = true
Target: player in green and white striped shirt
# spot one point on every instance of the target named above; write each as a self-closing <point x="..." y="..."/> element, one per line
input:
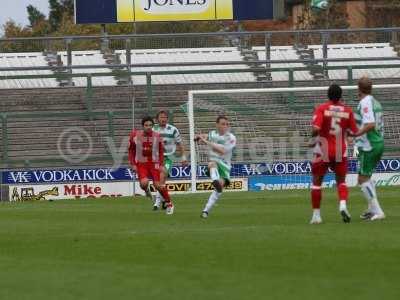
<point x="221" y="143"/>
<point x="369" y="146"/>
<point x="173" y="149"/>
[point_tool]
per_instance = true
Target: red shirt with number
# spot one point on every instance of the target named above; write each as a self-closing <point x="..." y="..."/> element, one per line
<point x="335" y="120"/>
<point x="146" y="153"/>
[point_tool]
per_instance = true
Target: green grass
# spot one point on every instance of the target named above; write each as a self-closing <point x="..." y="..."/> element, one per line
<point x="253" y="246"/>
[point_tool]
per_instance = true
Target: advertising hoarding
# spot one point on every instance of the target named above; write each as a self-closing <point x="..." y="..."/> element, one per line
<point x="118" y="11"/>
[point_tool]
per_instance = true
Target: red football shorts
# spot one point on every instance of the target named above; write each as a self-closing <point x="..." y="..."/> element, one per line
<point x="320" y="167"/>
<point x="148" y="171"/>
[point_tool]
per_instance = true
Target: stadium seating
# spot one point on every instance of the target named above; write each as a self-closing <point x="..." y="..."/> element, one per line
<point x="196" y="55"/>
<point x="186" y="55"/>
<point x="34" y="59"/>
<point x="378" y="50"/>
<point x="284" y="53"/>
<point x="80" y="58"/>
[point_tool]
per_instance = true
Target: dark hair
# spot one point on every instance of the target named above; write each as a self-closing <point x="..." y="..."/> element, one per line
<point x="221" y="118"/>
<point x="335" y="92"/>
<point x="161" y="112"/>
<point x="365" y="85"/>
<point x="147" y="119"/>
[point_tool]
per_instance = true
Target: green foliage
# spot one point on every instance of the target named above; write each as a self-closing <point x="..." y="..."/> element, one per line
<point x="383" y="13"/>
<point x="61" y="22"/>
<point x="35" y="16"/>
<point x="58" y="9"/>
<point x="333" y="16"/>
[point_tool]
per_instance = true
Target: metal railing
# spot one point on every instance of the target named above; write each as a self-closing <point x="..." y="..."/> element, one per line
<point x="270" y="63"/>
<point x="241" y="40"/>
<point x="150" y="74"/>
<point x="6" y="117"/>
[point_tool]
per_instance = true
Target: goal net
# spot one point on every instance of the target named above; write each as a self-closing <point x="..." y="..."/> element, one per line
<point x="272" y="127"/>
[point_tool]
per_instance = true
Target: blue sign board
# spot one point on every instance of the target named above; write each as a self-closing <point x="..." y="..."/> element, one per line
<point x="289" y="182"/>
<point x="277" y="169"/>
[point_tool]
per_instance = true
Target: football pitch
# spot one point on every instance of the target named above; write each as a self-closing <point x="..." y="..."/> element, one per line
<point x="253" y="246"/>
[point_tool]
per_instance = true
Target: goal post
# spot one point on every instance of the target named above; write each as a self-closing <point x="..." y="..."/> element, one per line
<point x="193" y="160"/>
<point x="266" y="119"/>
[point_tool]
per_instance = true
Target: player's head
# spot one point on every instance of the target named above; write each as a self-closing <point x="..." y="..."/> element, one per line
<point x="335" y="93"/>
<point x="222" y="124"/>
<point x="147" y="123"/>
<point x="162" y="118"/>
<point x="364" y="87"/>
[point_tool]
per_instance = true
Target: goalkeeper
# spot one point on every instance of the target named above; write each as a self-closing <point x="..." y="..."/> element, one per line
<point x="220" y="143"/>
<point x="173" y="149"/>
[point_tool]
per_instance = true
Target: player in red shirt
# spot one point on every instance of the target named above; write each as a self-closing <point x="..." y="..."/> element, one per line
<point x="332" y="122"/>
<point x="146" y="156"/>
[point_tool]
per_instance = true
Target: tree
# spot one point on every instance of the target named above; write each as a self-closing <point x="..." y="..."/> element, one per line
<point x="61" y="12"/>
<point x="12" y="29"/>
<point x="58" y="8"/>
<point x="61" y="22"/>
<point x="333" y="16"/>
<point x="35" y="16"/>
<point x="383" y="13"/>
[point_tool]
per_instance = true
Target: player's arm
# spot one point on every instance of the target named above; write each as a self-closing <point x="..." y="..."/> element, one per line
<point x="351" y="132"/>
<point x="182" y="153"/>
<point x="314" y="134"/>
<point x="315" y="131"/>
<point x="215" y="147"/>
<point x="352" y="129"/>
<point x="160" y="150"/>
<point x="316" y="126"/>
<point x="132" y="151"/>
<point x="229" y="145"/>
<point x="368" y="119"/>
<point x="366" y="128"/>
<point x="220" y="149"/>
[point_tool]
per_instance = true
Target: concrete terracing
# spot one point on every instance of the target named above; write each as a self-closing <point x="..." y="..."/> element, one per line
<point x="262" y="121"/>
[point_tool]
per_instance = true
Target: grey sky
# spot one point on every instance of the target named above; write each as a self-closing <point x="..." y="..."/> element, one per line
<point x="16" y="10"/>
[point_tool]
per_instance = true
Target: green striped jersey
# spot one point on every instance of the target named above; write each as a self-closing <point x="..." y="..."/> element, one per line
<point x="369" y="110"/>
<point x="228" y="141"/>
<point x="171" y="136"/>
